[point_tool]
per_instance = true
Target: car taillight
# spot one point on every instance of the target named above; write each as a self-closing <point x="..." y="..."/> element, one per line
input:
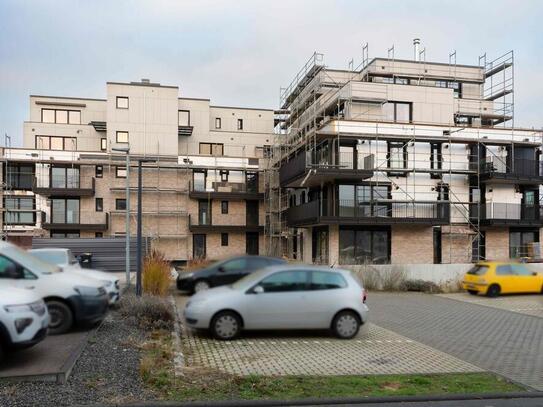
<point x="364" y="295"/>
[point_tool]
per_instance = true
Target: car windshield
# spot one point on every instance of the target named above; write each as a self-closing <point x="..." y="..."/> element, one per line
<point x="478" y="270"/>
<point x="51" y="256"/>
<point x="30" y="261"/>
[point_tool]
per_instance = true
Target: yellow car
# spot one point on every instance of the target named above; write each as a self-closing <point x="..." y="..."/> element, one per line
<point x="494" y="278"/>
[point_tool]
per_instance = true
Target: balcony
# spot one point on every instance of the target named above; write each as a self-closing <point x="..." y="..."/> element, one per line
<point x="205" y="225"/>
<point x="224" y="190"/>
<point x="185" y="131"/>
<point x="309" y="169"/>
<point x="64" y="187"/>
<point x="517" y="171"/>
<point x="91" y="221"/>
<point x="506" y="214"/>
<point x="349" y="212"/>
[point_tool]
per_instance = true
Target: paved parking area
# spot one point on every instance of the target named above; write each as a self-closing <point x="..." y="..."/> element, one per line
<point x="508" y="343"/>
<point x="523" y="304"/>
<point x="374" y="351"/>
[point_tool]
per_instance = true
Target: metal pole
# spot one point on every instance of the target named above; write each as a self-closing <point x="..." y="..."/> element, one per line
<point x="127" y="220"/>
<point x="138" y="255"/>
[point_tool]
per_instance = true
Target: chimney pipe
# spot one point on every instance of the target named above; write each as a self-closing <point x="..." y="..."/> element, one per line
<point x="416" y="43"/>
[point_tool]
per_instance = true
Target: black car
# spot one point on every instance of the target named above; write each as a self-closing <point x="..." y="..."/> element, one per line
<point x="224" y="272"/>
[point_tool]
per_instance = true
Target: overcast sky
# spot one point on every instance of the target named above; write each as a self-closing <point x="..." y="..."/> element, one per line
<point x="241" y="52"/>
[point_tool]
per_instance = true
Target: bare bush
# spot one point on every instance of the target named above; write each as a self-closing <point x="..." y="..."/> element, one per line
<point x="148" y="312"/>
<point x="393" y="278"/>
<point x="156" y="274"/>
<point x="421" y="285"/>
<point x="371" y="279"/>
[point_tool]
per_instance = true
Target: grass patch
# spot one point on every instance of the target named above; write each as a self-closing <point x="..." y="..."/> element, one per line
<point x="204" y="384"/>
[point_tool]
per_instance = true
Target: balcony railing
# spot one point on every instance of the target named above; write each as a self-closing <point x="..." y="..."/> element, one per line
<point x="506" y="213"/>
<point x="224" y="189"/>
<point x="203" y="224"/>
<point x="500" y="168"/>
<point x="386" y="211"/>
<point x="75" y="220"/>
<point x="69" y="186"/>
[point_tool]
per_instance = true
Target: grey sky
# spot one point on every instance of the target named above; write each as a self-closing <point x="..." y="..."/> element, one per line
<point x="240" y="52"/>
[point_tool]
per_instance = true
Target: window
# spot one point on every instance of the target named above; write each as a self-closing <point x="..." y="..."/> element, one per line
<point x="436" y="159"/>
<point x="217" y="122"/>
<point x="199" y="246"/>
<point x="103" y="144"/>
<point x="212" y="149"/>
<point x="397" y="112"/>
<point x="7" y="266"/>
<point x="504" y="270"/>
<point x="224" y="207"/>
<point x="204" y="212"/>
<point x="61" y="116"/>
<point x="98" y="235"/>
<point x="224" y="239"/>
<point x="325" y="280"/>
<point x="364" y="200"/>
<point x="184" y="117"/>
<point x="364" y="246"/>
<point x="99" y="204"/>
<point x="18" y="176"/>
<point x="224" y="175"/>
<point x="456" y="86"/>
<point x="120" y="204"/>
<point x="399" y="81"/>
<point x="99" y="171"/>
<point x="521" y="270"/>
<point x="478" y="270"/>
<point x="397" y="156"/>
<point x="199" y="180"/>
<point x="240" y="124"/>
<point x="64" y="210"/>
<point x="522" y="242"/>
<point x="19" y="211"/>
<point x="55" y="234"/>
<point x="120" y="172"/>
<point x="122" y="137"/>
<point x="122" y="102"/>
<point x="56" y="143"/>
<point x="64" y="177"/>
<point x="293" y="280"/>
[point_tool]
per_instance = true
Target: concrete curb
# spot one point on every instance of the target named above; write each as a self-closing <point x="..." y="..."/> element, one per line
<point x="336" y="401"/>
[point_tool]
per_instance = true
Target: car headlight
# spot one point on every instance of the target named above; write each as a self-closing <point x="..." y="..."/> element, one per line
<point x="187" y="275"/>
<point x="107" y="283"/>
<point x="88" y="291"/>
<point x="17" y="308"/>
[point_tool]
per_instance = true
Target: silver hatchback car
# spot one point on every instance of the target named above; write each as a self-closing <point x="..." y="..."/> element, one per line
<point x="282" y="297"/>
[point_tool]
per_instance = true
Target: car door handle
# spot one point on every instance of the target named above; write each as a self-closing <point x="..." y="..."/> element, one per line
<point x="30" y="287"/>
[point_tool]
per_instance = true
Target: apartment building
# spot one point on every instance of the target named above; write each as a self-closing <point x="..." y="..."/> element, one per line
<point x="202" y="184"/>
<point x="404" y="162"/>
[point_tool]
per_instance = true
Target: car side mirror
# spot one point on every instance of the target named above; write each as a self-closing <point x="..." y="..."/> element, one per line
<point x="258" y="289"/>
<point x="534" y="273"/>
<point x="221" y="269"/>
<point x="15" y="272"/>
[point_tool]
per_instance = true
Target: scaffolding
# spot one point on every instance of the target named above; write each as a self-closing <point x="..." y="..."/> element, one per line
<point x="318" y="107"/>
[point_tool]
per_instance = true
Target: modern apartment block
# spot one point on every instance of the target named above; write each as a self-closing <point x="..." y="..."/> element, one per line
<point x="403" y="161"/>
<point x="202" y="189"/>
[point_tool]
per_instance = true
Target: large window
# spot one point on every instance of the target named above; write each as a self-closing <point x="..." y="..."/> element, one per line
<point x="522" y="242"/>
<point x="212" y="149"/>
<point x="19" y="211"/>
<point x="397" y="112"/>
<point x="184" y="117"/>
<point x="56" y="143"/>
<point x="18" y="176"/>
<point x="61" y="116"/>
<point x="199" y="248"/>
<point x="64" y="210"/>
<point x="397" y="156"/>
<point x="363" y="200"/>
<point x="455" y="86"/>
<point x="204" y="212"/>
<point x="436" y="159"/>
<point x="64" y="177"/>
<point x="364" y="246"/>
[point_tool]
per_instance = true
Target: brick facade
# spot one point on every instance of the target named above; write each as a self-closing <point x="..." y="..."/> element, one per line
<point x="411" y="244"/>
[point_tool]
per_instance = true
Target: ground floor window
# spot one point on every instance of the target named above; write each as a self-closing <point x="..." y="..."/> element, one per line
<point x="359" y="245"/>
<point x="522" y="243"/>
<point x="198" y="246"/>
<point x="251" y="243"/>
<point x="224" y="239"/>
<point x="478" y="247"/>
<point x="64" y="233"/>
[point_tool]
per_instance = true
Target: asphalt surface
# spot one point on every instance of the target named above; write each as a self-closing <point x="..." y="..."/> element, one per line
<point x="501" y="341"/>
<point x="521" y="402"/>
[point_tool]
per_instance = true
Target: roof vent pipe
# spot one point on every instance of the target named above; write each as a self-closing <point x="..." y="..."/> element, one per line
<point x="416" y="44"/>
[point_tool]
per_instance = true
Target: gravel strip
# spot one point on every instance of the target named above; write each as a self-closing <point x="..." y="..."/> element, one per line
<point x="107" y="372"/>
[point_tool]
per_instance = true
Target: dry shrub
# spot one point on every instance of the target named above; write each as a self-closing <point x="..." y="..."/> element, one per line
<point x="371" y="279"/>
<point x="452" y="286"/>
<point x="421" y="285"/>
<point x="148" y="312"/>
<point x="156" y="274"/>
<point x="393" y="278"/>
<point x="196" y="264"/>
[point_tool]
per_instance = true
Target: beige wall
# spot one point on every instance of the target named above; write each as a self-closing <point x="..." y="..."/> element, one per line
<point x="456" y="244"/>
<point x="497" y="244"/>
<point x="411" y="244"/>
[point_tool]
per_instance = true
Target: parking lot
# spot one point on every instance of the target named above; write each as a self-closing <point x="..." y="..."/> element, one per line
<point x="374" y="350"/>
<point x="408" y="333"/>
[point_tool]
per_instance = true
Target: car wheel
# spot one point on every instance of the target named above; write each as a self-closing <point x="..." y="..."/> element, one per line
<point x="61" y="317"/>
<point x="201" y="285"/>
<point x="473" y="292"/>
<point x="226" y="325"/>
<point x="493" y="290"/>
<point x="346" y="325"/>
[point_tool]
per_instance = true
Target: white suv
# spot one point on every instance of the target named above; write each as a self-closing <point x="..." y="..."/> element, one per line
<point x="64" y="258"/>
<point x="23" y="319"/>
<point x="70" y="299"/>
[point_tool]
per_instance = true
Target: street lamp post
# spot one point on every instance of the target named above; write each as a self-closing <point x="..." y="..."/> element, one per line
<point x="127" y="212"/>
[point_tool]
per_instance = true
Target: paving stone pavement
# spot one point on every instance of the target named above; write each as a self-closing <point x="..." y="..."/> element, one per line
<point x="374" y="351"/>
<point x="523" y="304"/>
<point x="507" y="343"/>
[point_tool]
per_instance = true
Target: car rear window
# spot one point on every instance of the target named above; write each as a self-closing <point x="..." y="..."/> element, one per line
<point x="326" y="280"/>
<point x="478" y="270"/>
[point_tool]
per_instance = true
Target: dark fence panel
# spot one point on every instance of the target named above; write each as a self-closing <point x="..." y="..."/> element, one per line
<point x="108" y="254"/>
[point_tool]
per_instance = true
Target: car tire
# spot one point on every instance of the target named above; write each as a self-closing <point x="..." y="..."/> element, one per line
<point x="473" y="292"/>
<point x="62" y="317"/>
<point x="226" y="326"/>
<point x="346" y="324"/>
<point x="493" y="291"/>
<point x="201" y="285"/>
